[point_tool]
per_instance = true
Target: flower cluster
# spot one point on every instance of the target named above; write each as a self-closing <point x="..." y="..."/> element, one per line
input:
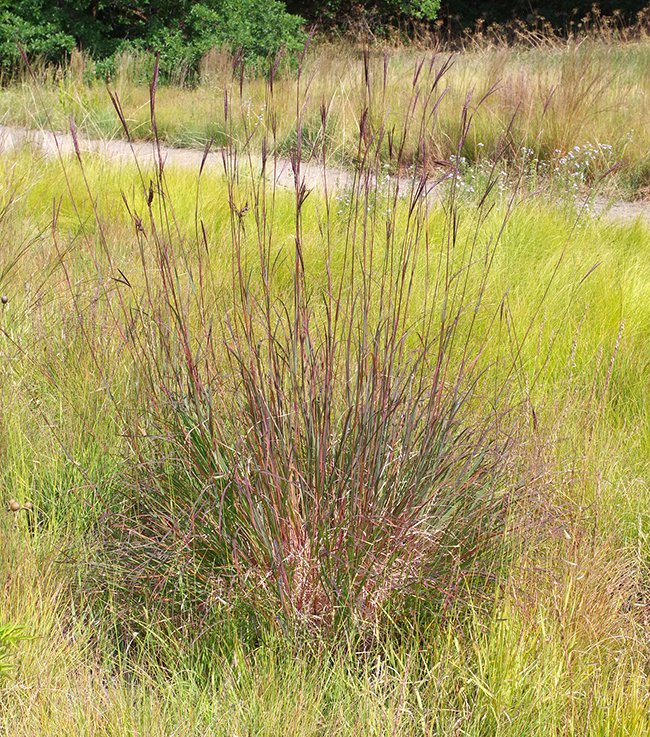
<point x="578" y="166"/>
<point x="568" y="172"/>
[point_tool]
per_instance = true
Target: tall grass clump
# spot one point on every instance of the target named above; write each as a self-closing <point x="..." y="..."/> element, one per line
<point x="324" y="420"/>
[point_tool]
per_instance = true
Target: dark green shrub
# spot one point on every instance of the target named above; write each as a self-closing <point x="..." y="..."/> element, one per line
<point x="181" y="32"/>
<point x="381" y="15"/>
<point x="37" y="30"/>
<point x="562" y="15"/>
<point x="259" y="28"/>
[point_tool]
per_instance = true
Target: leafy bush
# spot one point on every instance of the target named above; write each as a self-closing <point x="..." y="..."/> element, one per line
<point x="180" y="31"/>
<point x="260" y="29"/>
<point x="38" y="30"/>
<point x="559" y="13"/>
<point x="256" y="29"/>
<point x="380" y="14"/>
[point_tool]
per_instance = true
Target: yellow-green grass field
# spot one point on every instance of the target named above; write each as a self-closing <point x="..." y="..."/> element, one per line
<point x="367" y="459"/>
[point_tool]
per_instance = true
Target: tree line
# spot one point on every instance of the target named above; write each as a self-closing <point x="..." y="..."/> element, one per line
<point x="183" y="30"/>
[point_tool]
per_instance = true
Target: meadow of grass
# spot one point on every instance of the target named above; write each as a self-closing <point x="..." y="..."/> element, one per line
<point x="571" y="109"/>
<point x="332" y="462"/>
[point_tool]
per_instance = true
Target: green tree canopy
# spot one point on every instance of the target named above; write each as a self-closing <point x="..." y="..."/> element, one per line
<point x="181" y="29"/>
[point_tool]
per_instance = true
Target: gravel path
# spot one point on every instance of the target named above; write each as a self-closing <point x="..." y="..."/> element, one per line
<point x="51" y="144"/>
<point x="315" y="177"/>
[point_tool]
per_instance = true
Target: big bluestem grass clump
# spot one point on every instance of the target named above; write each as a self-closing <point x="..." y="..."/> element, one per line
<point x="324" y="426"/>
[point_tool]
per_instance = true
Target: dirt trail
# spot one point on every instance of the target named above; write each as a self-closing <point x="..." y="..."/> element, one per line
<point x="315" y="177"/>
<point x="51" y="144"/>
